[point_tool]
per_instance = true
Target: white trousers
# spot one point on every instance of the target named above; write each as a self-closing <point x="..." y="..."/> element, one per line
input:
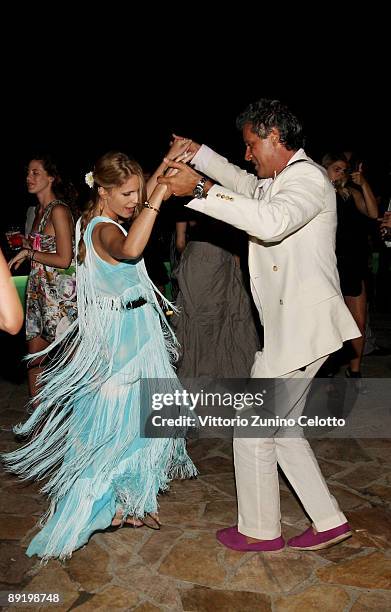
<point x="256" y="473"/>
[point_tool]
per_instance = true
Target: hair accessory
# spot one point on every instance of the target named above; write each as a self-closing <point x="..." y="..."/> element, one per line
<point x="89" y="179"/>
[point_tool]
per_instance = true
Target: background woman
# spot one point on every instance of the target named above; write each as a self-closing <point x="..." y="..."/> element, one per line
<point x="51" y="288"/>
<point x="353" y="206"/>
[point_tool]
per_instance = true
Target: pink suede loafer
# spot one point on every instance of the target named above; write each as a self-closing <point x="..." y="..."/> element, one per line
<point x="316" y="541"/>
<point x="231" y="538"/>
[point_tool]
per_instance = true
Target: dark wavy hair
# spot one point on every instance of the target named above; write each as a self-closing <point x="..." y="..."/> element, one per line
<point x="62" y="189"/>
<point x="266" y="114"/>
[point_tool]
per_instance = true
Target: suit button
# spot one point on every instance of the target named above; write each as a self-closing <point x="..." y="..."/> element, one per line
<point x="275" y="268"/>
<point x="218" y="195"/>
<point x="281" y="302"/>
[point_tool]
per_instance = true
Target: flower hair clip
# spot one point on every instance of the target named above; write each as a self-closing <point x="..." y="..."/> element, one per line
<point x="89" y="179"/>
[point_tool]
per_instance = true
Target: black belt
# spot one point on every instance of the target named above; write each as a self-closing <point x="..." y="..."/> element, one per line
<point x="135" y="303"/>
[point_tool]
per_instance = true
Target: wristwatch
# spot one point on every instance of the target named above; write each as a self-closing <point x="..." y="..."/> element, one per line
<point x="198" y="191"/>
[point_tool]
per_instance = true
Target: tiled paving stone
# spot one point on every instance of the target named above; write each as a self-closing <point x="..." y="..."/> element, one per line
<point x="148" y="583"/>
<point x="111" y="598"/>
<point x="221" y="483"/>
<point x="372" y="525"/>
<point x="292" y="512"/>
<point x="15" y="527"/>
<point x="225" y="448"/>
<point x="53" y="578"/>
<point x="378" y="494"/>
<point x="14" y="563"/>
<point x="146" y="606"/>
<point x="370" y="602"/>
<point x="215" y="465"/>
<point x="328" y="598"/>
<point x="158" y="544"/>
<point x="183" y="567"/>
<point x="195" y="560"/>
<point x="346" y="550"/>
<point x="203" y="448"/>
<point x="331" y="469"/>
<point x="346" y="450"/>
<point x="202" y="599"/>
<point x="367" y="572"/>
<point x="224" y="512"/>
<point x="348" y="500"/>
<point x="274" y="572"/>
<point x="88" y="567"/>
<point x="362" y="476"/>
<point x="192" y="490"/>
<point x="382" y="444"/>
<point x="186" y="515"/>
<point x="14" y="502"/>
<point x="121" y="545"/>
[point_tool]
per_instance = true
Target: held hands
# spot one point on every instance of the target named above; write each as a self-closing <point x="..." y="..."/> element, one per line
<point x="180" y="179"/>
<point x="178" y="148"/>
<point x="19" y="259"/>
<point x="180" y="145"/>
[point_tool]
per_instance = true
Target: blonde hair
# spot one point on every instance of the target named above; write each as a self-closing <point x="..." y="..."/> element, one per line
<point x="111" y="170"/>
<point x="340" y="185"/>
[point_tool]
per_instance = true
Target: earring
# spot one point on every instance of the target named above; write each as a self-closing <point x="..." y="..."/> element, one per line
<point x="275" y="174"/>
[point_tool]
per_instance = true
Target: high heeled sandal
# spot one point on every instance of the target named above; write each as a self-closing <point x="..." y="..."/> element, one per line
<point x="150" y="521"/>
<point x="112" y="528"/>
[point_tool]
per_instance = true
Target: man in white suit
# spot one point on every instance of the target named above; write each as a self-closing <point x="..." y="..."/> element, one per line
<point x="290" y="216"/>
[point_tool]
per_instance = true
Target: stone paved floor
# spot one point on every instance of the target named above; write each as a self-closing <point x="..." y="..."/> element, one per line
<point x="182" y="567"/>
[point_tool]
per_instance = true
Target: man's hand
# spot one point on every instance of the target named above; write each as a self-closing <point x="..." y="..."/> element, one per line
<point x="182" y="183"/>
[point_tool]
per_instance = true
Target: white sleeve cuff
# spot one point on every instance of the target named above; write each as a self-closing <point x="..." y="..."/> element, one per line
<point x="202" y="157"/>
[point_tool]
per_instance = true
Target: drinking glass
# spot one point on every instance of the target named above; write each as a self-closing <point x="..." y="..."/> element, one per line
<point x="14" y="237"/>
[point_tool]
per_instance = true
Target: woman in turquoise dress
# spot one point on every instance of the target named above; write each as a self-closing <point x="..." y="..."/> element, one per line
<point x="86" y="427"/>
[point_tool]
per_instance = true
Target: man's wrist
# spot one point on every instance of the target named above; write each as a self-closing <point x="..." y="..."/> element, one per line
<point x="200" y="190"/>
<point x="208" y="186"/>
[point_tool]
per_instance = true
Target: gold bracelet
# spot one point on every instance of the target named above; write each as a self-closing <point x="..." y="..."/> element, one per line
<point x="148" y="205"/>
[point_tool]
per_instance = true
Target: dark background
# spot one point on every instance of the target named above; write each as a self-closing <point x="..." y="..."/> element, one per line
<point x="130" y="96"/>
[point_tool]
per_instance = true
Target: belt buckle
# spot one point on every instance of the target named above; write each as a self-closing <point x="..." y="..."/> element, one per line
<point x="135" y="303"/>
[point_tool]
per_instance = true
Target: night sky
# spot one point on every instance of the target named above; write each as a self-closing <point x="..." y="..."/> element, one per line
<point x="78" y="120"/>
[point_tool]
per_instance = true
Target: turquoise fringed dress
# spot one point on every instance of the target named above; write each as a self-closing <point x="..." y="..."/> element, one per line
<point x="88" y="439"/>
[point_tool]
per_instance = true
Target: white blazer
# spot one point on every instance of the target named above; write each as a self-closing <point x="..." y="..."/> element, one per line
<point x="291" y="221"/>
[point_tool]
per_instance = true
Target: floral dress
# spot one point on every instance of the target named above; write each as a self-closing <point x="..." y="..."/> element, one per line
<point x="51" y="292"/>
